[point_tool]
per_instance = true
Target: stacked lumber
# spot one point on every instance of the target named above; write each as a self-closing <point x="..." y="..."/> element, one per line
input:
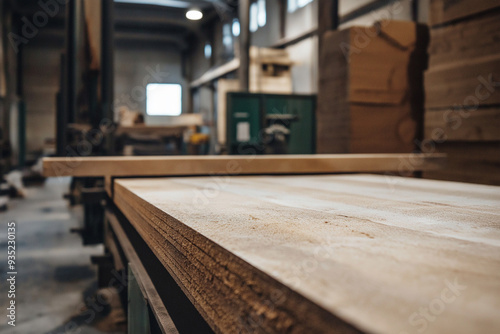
<point x="270" y="71"/>
<point x="327" y="253"/>
<point x="462" y="87"/>
<point x="445" y="11"/>
<point x="370" y="90"/>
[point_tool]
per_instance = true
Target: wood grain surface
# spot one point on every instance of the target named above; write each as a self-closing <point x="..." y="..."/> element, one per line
<point x="326" y="253"/>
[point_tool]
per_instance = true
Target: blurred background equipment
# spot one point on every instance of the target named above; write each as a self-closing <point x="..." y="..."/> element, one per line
<point x="270" y="124"/>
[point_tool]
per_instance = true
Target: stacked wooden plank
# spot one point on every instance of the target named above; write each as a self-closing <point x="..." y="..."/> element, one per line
<point x="325" y="254"/>
<point x="370" y="91"/>
<point x="462" y="87"/>
<point x="270" y="71"/>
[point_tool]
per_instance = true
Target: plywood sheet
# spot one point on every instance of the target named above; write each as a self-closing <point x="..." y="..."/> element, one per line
<point x="310" y="254"/>
<point x="463" y="125"/>
<point x="239" y="165"/>
<point x="446" y="11"/>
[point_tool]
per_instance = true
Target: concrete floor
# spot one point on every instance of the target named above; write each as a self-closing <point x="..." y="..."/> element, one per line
<point x="54" y="273"/>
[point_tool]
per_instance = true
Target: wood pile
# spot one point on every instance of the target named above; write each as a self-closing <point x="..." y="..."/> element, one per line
<point x="270" y="71"/>
<point x="462" y="88"/>
<point x="370" y="97"/>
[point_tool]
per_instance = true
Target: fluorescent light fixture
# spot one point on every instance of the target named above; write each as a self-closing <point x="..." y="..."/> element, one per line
<point x="194" y="14"/>
<point x="167" y="3"/>
<point x="261" y="16"/>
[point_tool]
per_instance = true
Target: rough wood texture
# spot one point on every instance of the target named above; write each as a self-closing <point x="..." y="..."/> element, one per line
<point x="309" y="254"/>
<point x="444" y="11"/>
<point x="465" y="84"/>
<point x="224" y="86"/>
<point x="240" y="165"/>
<point x="465" y="41"/>
<point x="475" y="162"/>
<point x="464" y="125"/>
<point x="461" y="87"/>
<point x="370" y="97"/>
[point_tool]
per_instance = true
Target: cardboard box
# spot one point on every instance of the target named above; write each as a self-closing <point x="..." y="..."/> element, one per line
<point x="462" y="89"/>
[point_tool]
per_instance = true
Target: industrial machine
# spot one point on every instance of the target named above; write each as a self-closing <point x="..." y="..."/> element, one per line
<point x="270" y="123"/>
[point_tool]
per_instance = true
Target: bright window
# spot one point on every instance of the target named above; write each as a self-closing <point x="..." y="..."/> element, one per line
<point x="227" y="37"/>
<point x="258" y="15"/>
<point x="207" y="50"/>
<point x="163" y="99"/>
<point x="293" y="5"/>
<point x="261" y="15"/>
<point x="236" y="28"/>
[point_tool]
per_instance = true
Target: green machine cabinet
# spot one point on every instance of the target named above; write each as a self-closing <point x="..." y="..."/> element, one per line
<point x="252" y="118"/>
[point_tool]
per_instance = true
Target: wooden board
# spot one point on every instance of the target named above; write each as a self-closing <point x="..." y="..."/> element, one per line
<point x="239" y="165"/>
<point x="464" y="41"/>
<point x="475" y="162"/>
<point x="462" y="113"/>
<point x="224" y="86"/>
<point x="159" y="131"/>
<point x="463" y="125"/>
<point x="444" y="11"/>
<point x="317" y="254"/>
<point x="463" y="84"/>
<point x="93" y="23"/>
<point x="391" y="125"/>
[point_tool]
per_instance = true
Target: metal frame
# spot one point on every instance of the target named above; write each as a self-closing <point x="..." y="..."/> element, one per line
<point x="168" y="309"/>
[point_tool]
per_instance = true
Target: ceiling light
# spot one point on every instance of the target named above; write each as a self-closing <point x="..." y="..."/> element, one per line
<point x="194" y="14"/>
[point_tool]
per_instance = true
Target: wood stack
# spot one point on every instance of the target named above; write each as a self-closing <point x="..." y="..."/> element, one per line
<point x="325" y="254"/>
<point x="462" y="87"/>
<point x="370" y="91"/>
<point x="270" y="71"/>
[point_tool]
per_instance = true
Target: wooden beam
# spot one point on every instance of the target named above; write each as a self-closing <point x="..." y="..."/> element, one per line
<point x="463" y="125"/>
<point x="365" y="9"/>
<point x="240" y="165"/>
<point x="327" y="16"/>
<point x="107" y="68"/>
<point x="329" y="253"/>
